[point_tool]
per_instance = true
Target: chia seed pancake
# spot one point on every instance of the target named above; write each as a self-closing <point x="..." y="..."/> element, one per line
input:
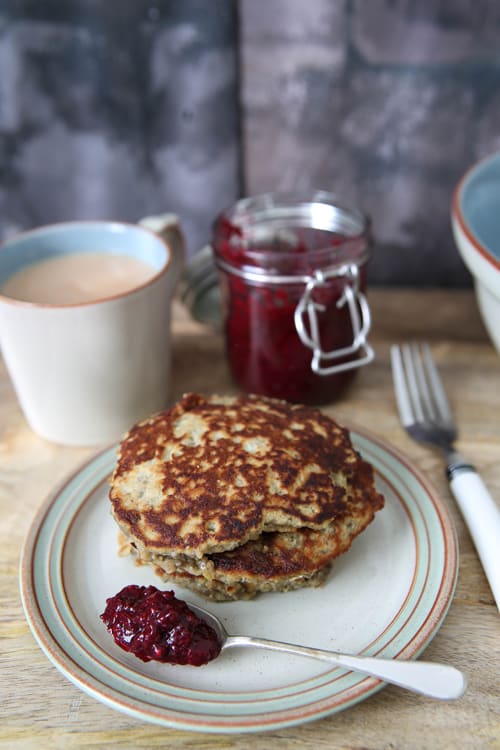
<point x="231" y="496"/>
<point x="276" y="561"/>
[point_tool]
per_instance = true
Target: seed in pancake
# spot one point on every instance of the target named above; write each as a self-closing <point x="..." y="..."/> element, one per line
<point x="212" y="526"/>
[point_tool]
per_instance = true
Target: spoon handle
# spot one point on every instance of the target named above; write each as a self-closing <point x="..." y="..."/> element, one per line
<point x="427" y="678"/>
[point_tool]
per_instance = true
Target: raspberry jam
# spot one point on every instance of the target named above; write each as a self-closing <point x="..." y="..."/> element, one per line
<point x="287" y="268"/>
<point x="155" y="625"/>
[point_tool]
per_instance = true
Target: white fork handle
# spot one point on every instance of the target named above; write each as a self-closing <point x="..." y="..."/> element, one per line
<point x="482" y="516"/>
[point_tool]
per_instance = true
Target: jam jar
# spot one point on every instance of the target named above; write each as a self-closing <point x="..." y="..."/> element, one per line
<point x="292" y="272"/>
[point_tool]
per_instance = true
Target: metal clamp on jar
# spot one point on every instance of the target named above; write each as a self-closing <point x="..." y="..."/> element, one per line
<point x="359" y="310"/>
<point x="292" y="277"/>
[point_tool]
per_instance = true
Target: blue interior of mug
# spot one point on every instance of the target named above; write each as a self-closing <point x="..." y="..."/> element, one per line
<point x="81" y="237"/>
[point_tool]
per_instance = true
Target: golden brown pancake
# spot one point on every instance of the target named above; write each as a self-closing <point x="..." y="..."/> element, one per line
<point x="231" y="496"/>
<point x="276" y="561"/>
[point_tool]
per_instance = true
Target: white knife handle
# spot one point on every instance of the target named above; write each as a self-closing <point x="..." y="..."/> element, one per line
<point x="482" y="516"/>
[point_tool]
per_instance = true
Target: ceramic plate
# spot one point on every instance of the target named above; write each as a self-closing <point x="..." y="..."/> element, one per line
<point x="387" y="596"/>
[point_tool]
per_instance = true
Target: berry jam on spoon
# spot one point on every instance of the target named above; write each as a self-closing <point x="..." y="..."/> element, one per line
<point x="155" y="625"/>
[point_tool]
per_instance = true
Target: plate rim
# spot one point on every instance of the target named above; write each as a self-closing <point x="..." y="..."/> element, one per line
<point x="240" y="723"/>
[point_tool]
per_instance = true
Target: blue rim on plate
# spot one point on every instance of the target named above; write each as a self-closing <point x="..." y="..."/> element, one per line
<point x="387" y="596"/>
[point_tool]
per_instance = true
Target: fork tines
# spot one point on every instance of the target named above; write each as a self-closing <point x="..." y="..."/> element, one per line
<point x="420" y="394"/>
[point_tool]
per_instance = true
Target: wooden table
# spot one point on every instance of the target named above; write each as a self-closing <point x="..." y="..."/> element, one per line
<point x="39" y="708"/>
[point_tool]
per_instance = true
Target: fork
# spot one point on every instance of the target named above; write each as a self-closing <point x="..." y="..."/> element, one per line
<point x="426" y="415"/>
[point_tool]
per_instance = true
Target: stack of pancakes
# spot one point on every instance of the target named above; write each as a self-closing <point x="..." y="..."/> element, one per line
<point x="235" y="496"/>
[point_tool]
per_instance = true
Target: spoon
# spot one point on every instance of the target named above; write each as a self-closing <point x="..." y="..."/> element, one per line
<point x="427" y="678"/>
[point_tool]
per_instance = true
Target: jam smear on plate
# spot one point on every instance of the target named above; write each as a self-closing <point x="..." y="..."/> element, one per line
<point x="155" y="625"/>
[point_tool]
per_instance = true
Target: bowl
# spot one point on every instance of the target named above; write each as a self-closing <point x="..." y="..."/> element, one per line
<point x="475" y="218"/>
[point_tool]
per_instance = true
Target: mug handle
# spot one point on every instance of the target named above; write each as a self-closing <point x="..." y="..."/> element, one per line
<point x="167" y="226"/>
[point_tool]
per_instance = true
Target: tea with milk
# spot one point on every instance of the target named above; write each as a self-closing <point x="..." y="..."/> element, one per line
<point x="77" y="278"/>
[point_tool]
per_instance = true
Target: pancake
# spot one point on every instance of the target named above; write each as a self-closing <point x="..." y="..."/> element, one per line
<point x="232" y="496"/>
<point x="211" y="474"/>
<point x="276" y="561"/>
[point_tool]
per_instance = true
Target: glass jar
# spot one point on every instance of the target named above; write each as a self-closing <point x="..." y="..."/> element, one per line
<point x="292" y="277"/>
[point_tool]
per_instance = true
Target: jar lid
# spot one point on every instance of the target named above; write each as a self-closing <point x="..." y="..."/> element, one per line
<point x="199" y="288"/>
<point x="275" y="236"/>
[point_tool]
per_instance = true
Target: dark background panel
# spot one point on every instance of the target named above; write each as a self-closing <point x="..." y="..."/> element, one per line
<point x="121" y="109"/>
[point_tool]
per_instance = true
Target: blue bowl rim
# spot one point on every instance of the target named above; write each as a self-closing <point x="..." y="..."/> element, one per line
<point x="459" y="215"/>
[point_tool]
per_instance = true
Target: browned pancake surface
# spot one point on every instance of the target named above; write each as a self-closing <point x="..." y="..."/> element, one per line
<point x="212" y="473"/>
<point x="275" y="561"/>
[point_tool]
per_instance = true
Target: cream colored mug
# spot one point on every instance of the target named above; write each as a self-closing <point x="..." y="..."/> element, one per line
<point x="85" y="371"/>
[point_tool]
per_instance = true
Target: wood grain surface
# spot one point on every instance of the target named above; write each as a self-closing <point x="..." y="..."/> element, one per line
<point x="39" y="708"/>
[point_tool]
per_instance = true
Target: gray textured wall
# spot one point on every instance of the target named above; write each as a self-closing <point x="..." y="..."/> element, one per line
<point x="117" y="109"/>
<point x="383" y="101"/>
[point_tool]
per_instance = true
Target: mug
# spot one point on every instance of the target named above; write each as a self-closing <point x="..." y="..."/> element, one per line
<point x="85" y="371"/>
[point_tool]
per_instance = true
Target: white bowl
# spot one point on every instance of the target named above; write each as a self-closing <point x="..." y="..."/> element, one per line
<point x="475" y="217"/>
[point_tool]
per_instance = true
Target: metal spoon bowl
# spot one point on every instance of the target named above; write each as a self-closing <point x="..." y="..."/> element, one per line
<point x="426" y="678"/>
